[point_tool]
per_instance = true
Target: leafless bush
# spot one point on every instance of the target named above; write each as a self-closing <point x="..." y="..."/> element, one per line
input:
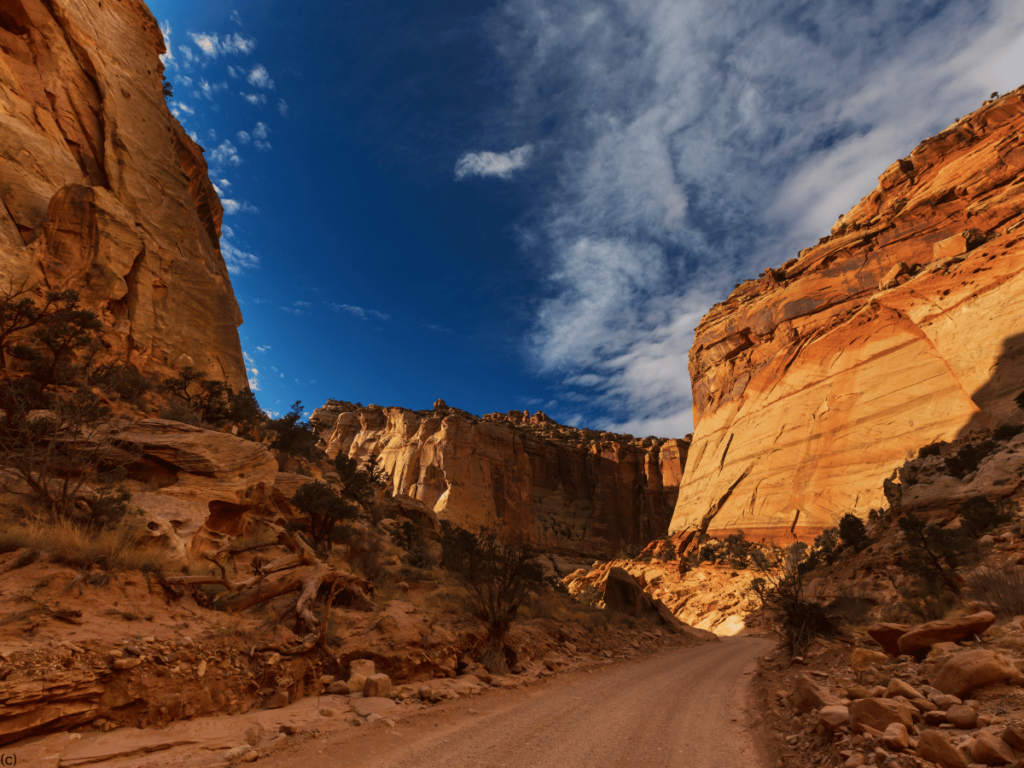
<point x="1001" y="590"/>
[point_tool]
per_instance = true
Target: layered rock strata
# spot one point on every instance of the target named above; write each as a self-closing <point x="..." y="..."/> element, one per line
<point x="564" y="489"/>
<point x="905" y="327"/>
<point x="102" y="190"/>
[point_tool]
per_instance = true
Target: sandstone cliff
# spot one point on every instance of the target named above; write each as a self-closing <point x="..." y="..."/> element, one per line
<point x="103" y="191"/>
<point x="905" y="327"/>
<point x="565" y="489"/>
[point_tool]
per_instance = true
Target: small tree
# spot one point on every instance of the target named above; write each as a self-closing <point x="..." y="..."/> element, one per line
<point x="853" y="532"/>
<point x="935" y="555"/>
<point x="57" y="444"/>
<point x="325" y="509"/>
<point x="498" y="573"/>
<point x="979" y="515"/>
<point x="294" y="436"/>
<point x="781" y="591"/>
<point x="737" y="549"/>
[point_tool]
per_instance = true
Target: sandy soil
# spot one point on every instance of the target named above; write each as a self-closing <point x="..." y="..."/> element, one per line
<point x="684" y="708"/>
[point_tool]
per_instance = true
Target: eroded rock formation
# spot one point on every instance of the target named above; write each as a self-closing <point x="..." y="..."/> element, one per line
<point x="565" y="489"/>
<point x="102" y="190"/>
<point x="905" y="327"/>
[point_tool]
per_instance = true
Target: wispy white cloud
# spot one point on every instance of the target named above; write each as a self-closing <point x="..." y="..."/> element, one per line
<point x="303" y="304"/>
<point x="298" y="312"/>
<point x="235" y="17"/>
<point x="711" y="141"/>
<point x="502" y="165"/>
<point x="231" y="207"/>
<point x="236" y="259"/>
<point x="213" y="45"/>
<point x="225" y="154"/>
<point x="261" y="131"/>
<point x="256" y="99"/>
<point x="187" y="53"/>
<point x="259" y="77"/>
<point x="282" y="107"/>
<point x="233" y="72"/>
<point x="253" y="372"/>
<point x="361" y="312"/>
<point x="167" y="59"/>
<point x="210" y="89"/>
<point x="244" y="137"/>
<point x="263" y="348"/>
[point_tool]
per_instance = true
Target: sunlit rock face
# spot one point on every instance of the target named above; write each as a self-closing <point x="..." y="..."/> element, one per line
<point x="102" y="190"/>
<point x="815" y="381"/>
<point x="564" y="489"/>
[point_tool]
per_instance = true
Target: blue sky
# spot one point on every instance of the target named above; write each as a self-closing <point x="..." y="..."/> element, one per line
<point x="531" y="203"/>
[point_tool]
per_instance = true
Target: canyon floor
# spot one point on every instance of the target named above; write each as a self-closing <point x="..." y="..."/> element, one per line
<point x="684" y="708"/>
<point x="681" y="707"/>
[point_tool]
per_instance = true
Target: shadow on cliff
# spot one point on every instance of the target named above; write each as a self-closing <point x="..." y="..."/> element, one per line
<point x="995" y="398"/>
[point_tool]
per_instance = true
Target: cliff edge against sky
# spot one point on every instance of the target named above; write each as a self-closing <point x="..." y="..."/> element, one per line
<point x="815" y="381"/>
<point x="104" y="192"/>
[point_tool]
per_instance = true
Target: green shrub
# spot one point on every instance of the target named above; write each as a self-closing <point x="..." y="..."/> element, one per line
<point x="979" y="515"/>
<point x="296" y="437"/>
<point x="935" y="555"/>
<point x="1006" y="432"/>
<point x="125" y="380"/>
<point x="324" y="508"/>
<point x="737" y="549"/>
<point x="852" y="532"/>
<point x="968" y="458"/>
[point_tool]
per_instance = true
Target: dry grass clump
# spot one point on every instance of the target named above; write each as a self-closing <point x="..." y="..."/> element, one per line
<point x="1002" y="591"/>
<point x="65" y="542"/>
<point x="559" y="607"/>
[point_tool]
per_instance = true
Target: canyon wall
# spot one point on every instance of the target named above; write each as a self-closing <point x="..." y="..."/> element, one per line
<point x="102" y="190"/>
<point x="814" y="382"/>
<point x="564" y="489"/>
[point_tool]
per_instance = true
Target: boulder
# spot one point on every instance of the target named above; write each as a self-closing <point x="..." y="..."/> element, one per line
<point x="933" y="746"/>
<point x="898" y="687"/>
<point x="879" y="714"/>
<point x="372" y="706"/>
<point x="896" y="737"/>
<point x="808" y="695"/>
<point x="862" y="658"/>
<point x="968" y="671"/>
<point x="962" y="716"/>
<point x="356" y="683"/>
<point x="833" y="716"/>
<point x="919" y="640"/>
<point x="988" y="749"/>
<point x="887" y="635"/>
<point x="364" y="667"/>
<point x="377" y="686"/>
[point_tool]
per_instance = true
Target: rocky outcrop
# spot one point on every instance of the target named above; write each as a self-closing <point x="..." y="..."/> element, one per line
<point x="564" y="489"/>
<point x="103" y="192"/>
<point x="903" y="328"/>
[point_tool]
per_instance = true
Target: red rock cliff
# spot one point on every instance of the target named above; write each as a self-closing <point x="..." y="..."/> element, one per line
<point x="814" y="382"/>
<point x="566" y="489"/>
<point x="102" y="191"/>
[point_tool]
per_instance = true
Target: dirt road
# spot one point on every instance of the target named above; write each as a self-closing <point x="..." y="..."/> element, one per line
<point x="683" y="708"/>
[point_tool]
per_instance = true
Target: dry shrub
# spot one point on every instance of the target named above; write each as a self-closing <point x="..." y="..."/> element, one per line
<point x="1002" y="591"/>
<point x="64" y="542"/>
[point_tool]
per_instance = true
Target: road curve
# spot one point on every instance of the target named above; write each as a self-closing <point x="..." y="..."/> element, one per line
<point x="682" y="708"/>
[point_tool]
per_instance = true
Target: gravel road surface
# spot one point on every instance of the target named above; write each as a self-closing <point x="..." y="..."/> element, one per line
<point x="684" y="708"/>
